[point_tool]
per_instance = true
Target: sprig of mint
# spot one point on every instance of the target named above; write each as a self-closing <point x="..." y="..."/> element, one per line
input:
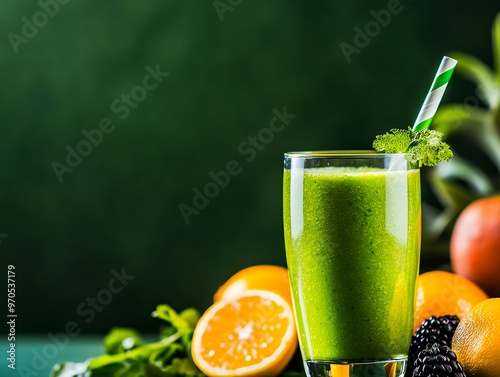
<point x="128" y="356"/>
<point x="425" y="147"/>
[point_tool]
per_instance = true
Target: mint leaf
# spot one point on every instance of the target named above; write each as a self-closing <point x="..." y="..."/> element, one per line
<point x="425" y="147"/>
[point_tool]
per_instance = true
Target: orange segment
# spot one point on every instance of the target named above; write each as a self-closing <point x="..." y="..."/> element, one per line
<point x="252" y="334"/>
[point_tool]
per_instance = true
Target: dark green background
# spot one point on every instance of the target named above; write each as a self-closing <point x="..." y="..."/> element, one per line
<point x="119" y="208"/>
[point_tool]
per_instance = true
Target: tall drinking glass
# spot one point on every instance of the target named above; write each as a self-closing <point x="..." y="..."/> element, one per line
<point x="352" y="223"/>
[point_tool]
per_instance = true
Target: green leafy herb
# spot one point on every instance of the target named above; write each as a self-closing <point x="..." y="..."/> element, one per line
<point x="127" y="355"/>
<point x="424" y="147"/>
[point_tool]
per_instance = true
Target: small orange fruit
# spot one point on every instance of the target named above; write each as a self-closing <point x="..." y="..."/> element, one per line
<point x="475" y="244"/>
<point x="263" y="277"/>
<point x="442" y="293"/>
<point x="477" y="340"/>
<point x="252" y="334"/>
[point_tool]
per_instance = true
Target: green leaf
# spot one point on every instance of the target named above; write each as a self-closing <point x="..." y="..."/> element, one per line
<point x="119" y="370"/>
<point x="191" y="316"/>
<point x="479" y="124"/>
<point x="435" y="223"/>
<point x="162" y="357"/>
<point x="496" y="119"/>
<point x="141" y="353"/>
<point x="496" y="45"/>
<point x="183" y="367"/>
<point x="428" y="148"/>
<point x="424" y="147"/>
<point x="450" y="118"/>
<point x="395" y="141"/>
<point x="458" y="169"/>
<point x="481" y="74"/>
<point x="447" y="181"/>
<point x="121" y="339"/>
<point x="69" y="369"/>
<point x="184" y="325"/>
<point x="450" y="193"/>
<point x="489" y="138"/>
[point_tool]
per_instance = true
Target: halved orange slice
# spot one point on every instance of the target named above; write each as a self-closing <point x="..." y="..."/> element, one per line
<point x="252" y="334"/>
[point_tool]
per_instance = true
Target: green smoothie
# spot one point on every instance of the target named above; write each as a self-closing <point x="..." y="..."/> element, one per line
<point x="352" y="240"/>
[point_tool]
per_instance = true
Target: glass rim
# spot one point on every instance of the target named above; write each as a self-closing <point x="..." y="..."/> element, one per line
<point x="342" y="154"/>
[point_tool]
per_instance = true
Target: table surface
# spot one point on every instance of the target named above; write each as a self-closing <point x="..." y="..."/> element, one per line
<point x="36" y="355"/>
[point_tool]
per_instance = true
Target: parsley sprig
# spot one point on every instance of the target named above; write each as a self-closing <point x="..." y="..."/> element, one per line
<point x="128" y="356"/>
<point x="425" y="147"/>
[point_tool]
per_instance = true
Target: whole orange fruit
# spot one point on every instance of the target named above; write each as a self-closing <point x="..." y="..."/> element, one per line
<point x="263" y="277"/>
<point x="443" y="293"/>
<point x="475" y="244"/>
<point x="477" y="340"/>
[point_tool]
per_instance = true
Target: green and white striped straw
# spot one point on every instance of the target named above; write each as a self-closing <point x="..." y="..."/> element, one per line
<point x="431" y="103"/>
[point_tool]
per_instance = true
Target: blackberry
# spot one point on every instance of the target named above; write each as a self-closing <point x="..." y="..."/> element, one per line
<point x="433" y="330"/>
<point x="437" y="361"/>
